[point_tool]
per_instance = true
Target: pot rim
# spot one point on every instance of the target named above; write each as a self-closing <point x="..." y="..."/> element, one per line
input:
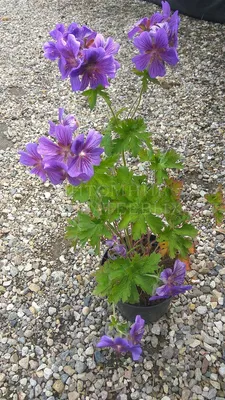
<point x="149" y="306"/>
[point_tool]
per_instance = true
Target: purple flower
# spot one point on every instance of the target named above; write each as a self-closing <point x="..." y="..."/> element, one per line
<point x="50" y="51"/>
<point x="121" y="345"/>
<point x="68" y="120"/>
<point x="137" y="330"/>
<point x="111" y="242"/>
<point x="57" y="173"/>
<point x="116" y="249"/>
<point x="155" y="51"/>
<point x="58" y="31"/>
<point x="83" y="34"/>
<point x="83" y="55"/>
<point x="32" y="158"/>
<point x="95" y="70"/>
<point x="173" y="280"/>
<point x="86" y="153"/>
<point x="69" y="55"/>
<point x="60" y="151"/>
<point x="145" y="24"/>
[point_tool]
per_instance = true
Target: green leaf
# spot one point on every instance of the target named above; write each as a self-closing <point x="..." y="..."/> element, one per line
<point x="186" y="230"/>
<point x="139" y="228"/>
<point x="176" y="242"/>
<point x="218" y="203"/>
<point x="134" y="295"/>
<point x="146" y="283"/>
<point x="146" y="79"/>
<point x="92" y="94"/>
<point x="87" y="229"/>
<point x="150" y="263"/>
<point x="131" y="134"/>
<point x="117" y="279"/>
<point x="160" y="162"/>
<point x="155" y="223"/>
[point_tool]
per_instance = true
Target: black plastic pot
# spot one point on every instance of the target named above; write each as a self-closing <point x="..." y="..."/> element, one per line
<point x="148" y="313"/>
<point x="209" y="10"/>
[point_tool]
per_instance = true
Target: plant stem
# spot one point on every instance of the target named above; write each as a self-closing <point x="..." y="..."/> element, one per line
<point x="111" y="109"/>
<point x="111" y="228"/>
<point x="114" y="310"/>
<point x="124" y="160"/>
<point x="137" y="99"/>
<point x="153" y="276"/>
<point x="138" y="103"/>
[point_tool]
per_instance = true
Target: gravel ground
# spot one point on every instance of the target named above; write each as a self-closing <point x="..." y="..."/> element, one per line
<point x="50" y="322"/>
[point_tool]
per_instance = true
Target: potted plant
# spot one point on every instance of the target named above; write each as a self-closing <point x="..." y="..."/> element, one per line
<point x="139" y="216"/>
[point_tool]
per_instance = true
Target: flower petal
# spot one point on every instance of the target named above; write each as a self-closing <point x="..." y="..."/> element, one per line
<point x="56" y="172"/>
<point x="136" y="352"/>
<point x="78" y="144"/>
<point x="170" y="56"/>
<point x="105" y="341"/>
<point x="143" y="42"/>
<point x="47" y="148"/>
<point x="64" y="135"/>
<point x="93" y="140"/>
<point x="60" y="114"/>
<point x="179" y="272"/>
<point x="39" y="170"/>
<point x="166" y="274"/>
<point x="156" y="68"/>
<point x="161" y="39"/>
<point x="141" y="61"/>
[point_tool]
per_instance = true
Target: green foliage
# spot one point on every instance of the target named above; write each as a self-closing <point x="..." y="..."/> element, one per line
<point x="160" y="162"/>
<point x="146" y="79"/>
<point x="92" y="95"/>
<point x="178" y="239"/>
<point x="120" y="327"/>
<point x="87" y="229"/>
<point x="128" y="206"/>
<point x="130" y="136"/>
<point x="218" y="204"/>
<point x="120" y="279"/>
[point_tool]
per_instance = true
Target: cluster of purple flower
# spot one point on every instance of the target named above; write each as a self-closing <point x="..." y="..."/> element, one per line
<point x="173" y="280"/>
<point x="157" y="41"/>
<point x="67" y="157"/>
<point x="83" y="55"/>
<point x="131" y="344"/>
<point x="116" y="248"/>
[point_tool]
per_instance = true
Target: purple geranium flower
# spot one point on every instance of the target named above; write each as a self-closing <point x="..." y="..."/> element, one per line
<point x="69" y="55"/>
<point x="68" y="120"/>
<point x="57" y="173"/>
<point x="111" y="242"/>
<point x="121" y="345"/>
<point x="58" y="31"/>
<point x="155" y="51"/>
<point x="173" y="280"/>
<point x="145" y="24"/>
<point x="137" y="330"/>
<point x="116" y="248"/>
<point x="83" y="34"/>
<point x="95" y="70"/>
<point x="32" y="158"/>
<point x="50" y="51"/>
<point x="86" y="153"/>
<point x="60" y="151"/>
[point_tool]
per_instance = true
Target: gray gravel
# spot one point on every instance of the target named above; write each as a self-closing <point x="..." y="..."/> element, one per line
<point x="50" y="322"/>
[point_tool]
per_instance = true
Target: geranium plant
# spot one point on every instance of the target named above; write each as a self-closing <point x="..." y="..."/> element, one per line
<point x="139" y="217"/>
